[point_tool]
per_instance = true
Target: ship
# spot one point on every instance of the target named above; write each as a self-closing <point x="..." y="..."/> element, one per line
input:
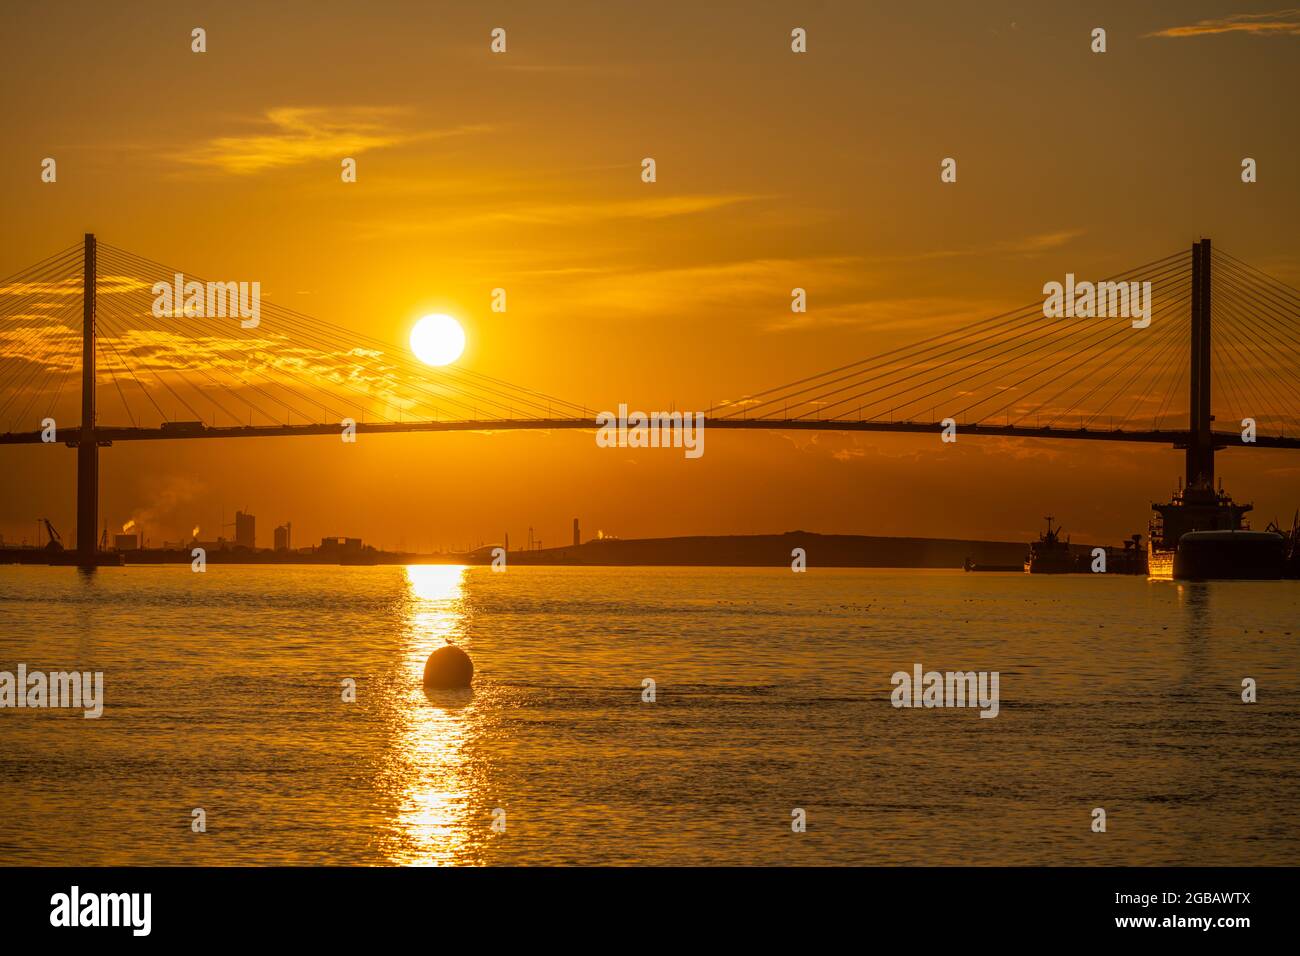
<point x="1131" y="560"/>
<point x="1049" y="554"/>
<point x="1201" y="534"/>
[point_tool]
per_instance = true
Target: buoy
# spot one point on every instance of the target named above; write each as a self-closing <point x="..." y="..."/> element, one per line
<point x="448" y="667"/>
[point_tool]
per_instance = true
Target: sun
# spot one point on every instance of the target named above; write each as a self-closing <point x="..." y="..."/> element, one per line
<point x="437" y="339"/>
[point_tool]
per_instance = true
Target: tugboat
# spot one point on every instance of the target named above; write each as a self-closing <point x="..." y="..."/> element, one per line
<point x="1200" y="535"/>
<point x="1049" y="554"/>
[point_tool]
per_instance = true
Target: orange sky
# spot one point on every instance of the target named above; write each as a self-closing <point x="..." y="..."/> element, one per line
<point x="522" y="171"/>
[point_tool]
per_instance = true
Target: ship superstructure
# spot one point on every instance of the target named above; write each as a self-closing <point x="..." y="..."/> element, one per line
<point x="1200" y="533"/>
<point x="1049" y="554"/>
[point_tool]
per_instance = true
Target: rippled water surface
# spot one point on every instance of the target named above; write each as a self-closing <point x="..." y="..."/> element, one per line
<point x="224" y="692"/>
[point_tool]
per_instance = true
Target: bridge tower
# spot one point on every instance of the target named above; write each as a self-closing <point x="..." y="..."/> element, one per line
<point x="87" y="444"/>
<point x="1200" y="441"/>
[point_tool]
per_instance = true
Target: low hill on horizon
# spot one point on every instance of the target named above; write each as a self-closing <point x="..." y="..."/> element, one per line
<point x="774" y="550"/>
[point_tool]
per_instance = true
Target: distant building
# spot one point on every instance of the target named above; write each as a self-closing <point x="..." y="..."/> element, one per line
<point x="577" y="538"/>
<point x="126" y="542"/>
<point x="283" y="537"/>
<point x="336" y="545"/>
<point x="245" y="531"/>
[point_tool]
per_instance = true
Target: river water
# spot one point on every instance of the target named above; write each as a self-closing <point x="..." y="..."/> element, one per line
<point x="224" y="692"/>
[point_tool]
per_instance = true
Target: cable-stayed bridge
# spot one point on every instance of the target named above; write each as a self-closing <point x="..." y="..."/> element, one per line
<point x="83" y="340"/>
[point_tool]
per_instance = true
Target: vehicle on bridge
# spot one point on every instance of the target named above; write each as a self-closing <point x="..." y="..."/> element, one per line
<point x="183" y="428"/>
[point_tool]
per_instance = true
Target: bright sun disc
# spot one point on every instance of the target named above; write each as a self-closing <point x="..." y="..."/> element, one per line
<point x="437" y="340"/>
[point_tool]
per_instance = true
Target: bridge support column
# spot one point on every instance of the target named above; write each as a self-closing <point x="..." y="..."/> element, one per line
<point x="87" y="445"/>
<point x="1200" y="442"/>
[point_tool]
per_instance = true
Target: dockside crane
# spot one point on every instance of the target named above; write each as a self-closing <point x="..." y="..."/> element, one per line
<point x="56" y="542"/>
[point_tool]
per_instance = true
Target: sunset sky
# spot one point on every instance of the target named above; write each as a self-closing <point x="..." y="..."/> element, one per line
<point x="522" y="171"/>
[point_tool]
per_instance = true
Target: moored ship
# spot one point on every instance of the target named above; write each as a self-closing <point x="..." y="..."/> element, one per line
<point x="1049" y="554"/>
<point x="1200" y="534"/>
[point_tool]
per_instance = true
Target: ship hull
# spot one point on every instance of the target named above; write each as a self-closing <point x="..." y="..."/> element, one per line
<point x="1220" y="556"/>
<point x="1160" y="564"/>
<point x="1050" y="565"/>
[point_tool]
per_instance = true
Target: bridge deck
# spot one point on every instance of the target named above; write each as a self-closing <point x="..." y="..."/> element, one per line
<point x="1174" y="437"/>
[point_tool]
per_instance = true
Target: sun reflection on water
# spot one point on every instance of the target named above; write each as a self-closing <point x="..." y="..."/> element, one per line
<point x="433" y="826"/>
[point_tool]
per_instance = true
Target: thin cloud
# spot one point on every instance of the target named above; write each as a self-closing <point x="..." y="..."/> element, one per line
<point x="106" y="284"/>
<point x="559" y="213"/>
<point x="288" y="136"/>
<point x="665" y="207"/>
<point x="1026" y="246"/>
<point x="1278" y="23"/>
<point x="1041" y="242"/>
<point x="587" y="68"/>
<point x="890" y="315"/>
<point x="732" y="286"/>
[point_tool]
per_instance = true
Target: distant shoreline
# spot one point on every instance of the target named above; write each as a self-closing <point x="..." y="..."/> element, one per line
<point x="760" y="550"/>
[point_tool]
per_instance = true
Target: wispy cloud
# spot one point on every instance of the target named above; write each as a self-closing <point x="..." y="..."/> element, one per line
<point x="556" y="68"/>
<point x="62" y="287"/>
<point x="890" y="315"/>
<point x="287" y="136"/>
<point x="665" y="207"/>
<point x="555" y="213"/>
<point x="1040" y="242"/>
<point x="742" y="285"/>
<point x="1278" y="23"/>
<point x="1026" y="246"/>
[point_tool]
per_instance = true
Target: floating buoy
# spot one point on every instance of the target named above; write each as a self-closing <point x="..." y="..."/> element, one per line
<point x="448" y="667"/>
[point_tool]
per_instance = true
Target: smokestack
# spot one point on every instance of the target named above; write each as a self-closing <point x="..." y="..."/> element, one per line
<point x="577" y="538"/>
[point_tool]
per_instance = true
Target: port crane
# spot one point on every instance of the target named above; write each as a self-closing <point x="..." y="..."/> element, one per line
<point x="1291" y="544"/>
<point x="56" y="541"/>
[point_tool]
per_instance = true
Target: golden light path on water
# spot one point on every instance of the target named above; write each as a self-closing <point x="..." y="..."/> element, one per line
<point x="433" y="822"/>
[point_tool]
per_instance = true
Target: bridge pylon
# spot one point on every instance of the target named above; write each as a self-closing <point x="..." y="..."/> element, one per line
<point x="1200" y="438"/>
<point x="87" y="444"/>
